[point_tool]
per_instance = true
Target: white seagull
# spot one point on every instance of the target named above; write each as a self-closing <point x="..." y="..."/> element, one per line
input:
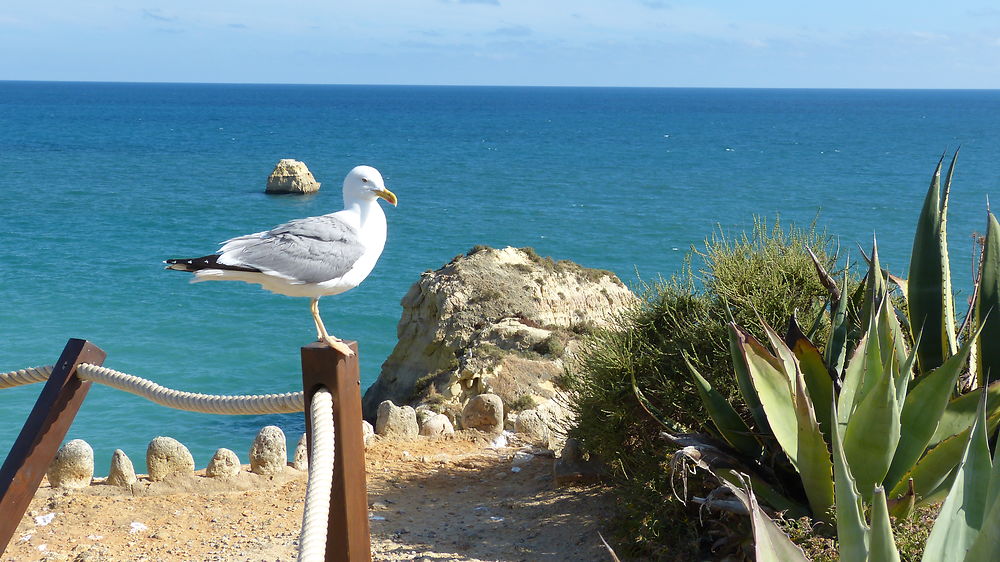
<point x="310" y="257"/>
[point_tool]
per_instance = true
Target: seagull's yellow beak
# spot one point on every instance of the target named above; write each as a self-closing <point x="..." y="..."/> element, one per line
<point x="387" y="195"/>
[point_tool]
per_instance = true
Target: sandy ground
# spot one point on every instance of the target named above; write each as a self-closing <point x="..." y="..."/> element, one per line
<point x="429" y="499"/>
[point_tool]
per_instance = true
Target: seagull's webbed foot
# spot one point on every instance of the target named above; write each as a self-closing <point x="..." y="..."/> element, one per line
<point x="337" y="344"/>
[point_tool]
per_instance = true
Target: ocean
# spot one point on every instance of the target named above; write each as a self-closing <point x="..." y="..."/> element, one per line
<point x="100" y="182"/>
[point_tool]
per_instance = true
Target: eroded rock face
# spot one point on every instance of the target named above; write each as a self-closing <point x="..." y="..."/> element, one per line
<point x="166" y="456"/>
<point x="291" y="176"/>
<point x="73" y="466"/>
<point x="437" y="425"/>
<point x="504" y="322"/>
<point x="300" y="460"/>
<point x="269" y="452"/>
<point x="122" y="471"/>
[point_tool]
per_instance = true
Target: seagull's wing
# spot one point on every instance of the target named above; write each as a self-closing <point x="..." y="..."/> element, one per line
<point x="310" y="250"/>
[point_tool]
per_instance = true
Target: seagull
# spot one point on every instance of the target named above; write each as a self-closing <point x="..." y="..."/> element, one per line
<point x="310" y="257"/>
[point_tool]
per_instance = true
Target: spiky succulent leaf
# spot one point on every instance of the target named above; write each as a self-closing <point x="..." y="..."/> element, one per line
<point x="988" y="304"/>
<point x="852" y="532"/>
<point x="882" y="545"/>
<point x="964" y="510"/>
<point x="961" y="411"/>
<point x="729" y="424"/>
<point x="873" y="433"/>
<point x="816" y="374"/>
<point x="929" y="283"/>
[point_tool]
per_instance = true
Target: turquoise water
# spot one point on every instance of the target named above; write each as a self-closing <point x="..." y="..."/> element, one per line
<point x="101" y="182"/>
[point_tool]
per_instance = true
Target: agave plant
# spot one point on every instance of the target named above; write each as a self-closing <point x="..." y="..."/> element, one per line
<point x="875" y="420"/>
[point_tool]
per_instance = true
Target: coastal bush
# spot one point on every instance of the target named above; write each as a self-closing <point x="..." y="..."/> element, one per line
<point x="766" y="272"/>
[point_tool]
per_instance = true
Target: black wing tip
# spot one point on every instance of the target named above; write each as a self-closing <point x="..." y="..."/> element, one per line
<point x="204" y="262"/>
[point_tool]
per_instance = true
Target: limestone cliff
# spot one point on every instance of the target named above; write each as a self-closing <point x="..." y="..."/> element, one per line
<point x="291" y="176"/>
<point x="500" y="321"/>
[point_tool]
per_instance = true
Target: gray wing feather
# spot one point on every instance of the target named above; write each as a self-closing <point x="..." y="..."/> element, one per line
<point x="310" y="250"/>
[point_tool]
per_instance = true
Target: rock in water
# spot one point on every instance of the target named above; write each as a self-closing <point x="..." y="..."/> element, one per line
<point x="532" y="428"/>
<point x="73" y="466"/>
<point x="484" y="412"/>
<point x="495" y="321"/>
<point x="166" y="456"/>
<point x="224" y="464"/>
<point x="395" y="421"/>
<point x="122" y="471"/>
<point x="300" y="461"/>
<point x="291" y="176"/>
<point x="437" y="425"/>
<point x="269" y="453"/>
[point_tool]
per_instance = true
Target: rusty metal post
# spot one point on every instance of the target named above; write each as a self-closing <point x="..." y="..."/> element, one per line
<point x="347" y="537"/>
<point x="42" y="434"/>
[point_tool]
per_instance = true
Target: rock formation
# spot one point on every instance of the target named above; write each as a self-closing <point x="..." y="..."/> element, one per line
<point x="436" y="426"/>
<point x="495" y="321"/>
<point x="269" y="452"/>
<point x="483" y="412"/>
<point x="73" y="466"/>
<point x="291" y="176"/>
<point x="224" y="464"/>
<point x="122" y="472"/>
<point x="166" y="456"/>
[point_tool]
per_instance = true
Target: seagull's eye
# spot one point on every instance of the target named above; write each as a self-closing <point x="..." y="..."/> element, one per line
<point x="364" y="180"/>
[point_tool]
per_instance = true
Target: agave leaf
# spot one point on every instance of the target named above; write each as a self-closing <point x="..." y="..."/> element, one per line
<point x="905" y="374"/>
<point x="929" y="290"/>
<point x="836" y="347"/>
<point x="765" y="491"/>
<point x="960" y="412"/>
<point x="819" y="380"/>
<point x="901" y="508"/>
<point x="731" y="427"/>
<point x="873" y="433"/>
<point x="987" y="305"/>
<point x="933" y="470"/>
<point x="922" y="412"/>
<point x="964" y="510"/>
<point x="852" y="532"/>
<point x="875" y="288"/>
<point x="883" y="546"/>
<point x="862" y="371"/>
<point x="987" y="544"/>
<point x="741" y="369"/>
<point x="792" y="419"/>
<point x="770" y="543"/>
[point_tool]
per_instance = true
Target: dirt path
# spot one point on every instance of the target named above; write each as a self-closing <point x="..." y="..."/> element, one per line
<point x="429" y="500"/>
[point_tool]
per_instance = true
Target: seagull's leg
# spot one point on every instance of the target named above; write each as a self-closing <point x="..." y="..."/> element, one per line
<point x="331" y="341"/>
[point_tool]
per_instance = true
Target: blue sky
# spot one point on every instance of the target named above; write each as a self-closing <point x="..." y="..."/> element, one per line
<point x="726" y="43"/>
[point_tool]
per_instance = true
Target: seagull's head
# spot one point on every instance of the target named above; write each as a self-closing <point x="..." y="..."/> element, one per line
<point x="366" y="184"/>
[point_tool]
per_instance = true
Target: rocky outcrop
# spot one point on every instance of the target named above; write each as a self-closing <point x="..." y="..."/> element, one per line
<point x="73" y="466"/>
<point x="291" y="176"/>
<point x="224" y="464"/>
<point x="483" y="412"/>
<point x="495" y="321"/>
<point x="396" y="421"/>
<point x="300" y="460"/>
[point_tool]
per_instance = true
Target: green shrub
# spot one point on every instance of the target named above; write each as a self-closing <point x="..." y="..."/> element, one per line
<point x="768" y="272"/>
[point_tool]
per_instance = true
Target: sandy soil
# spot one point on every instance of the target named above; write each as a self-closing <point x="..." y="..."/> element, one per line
<point x="429" y="499"/>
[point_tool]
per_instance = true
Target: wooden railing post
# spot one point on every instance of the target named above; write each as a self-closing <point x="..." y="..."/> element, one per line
<point x="348" y="537"/>
<point x="42" y="434"/>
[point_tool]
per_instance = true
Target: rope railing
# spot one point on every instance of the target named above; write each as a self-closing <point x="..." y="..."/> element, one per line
<point x="181" y="400"/>
<point x="334" y="521"/>
<point x="316" y="515"/>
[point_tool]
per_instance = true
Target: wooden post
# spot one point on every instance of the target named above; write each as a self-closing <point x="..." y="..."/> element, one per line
<point x="42" y="434"/>
<point x="347" y="537"/>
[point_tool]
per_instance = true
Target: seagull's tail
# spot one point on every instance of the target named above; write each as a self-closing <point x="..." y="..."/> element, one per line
<point x="205" y="262"/>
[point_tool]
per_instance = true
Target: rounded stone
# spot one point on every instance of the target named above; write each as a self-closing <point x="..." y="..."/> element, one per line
<point x="300" y="460"/>
<point x="122" y="472"/>
<point x="166" y="456"/>
<point x="484" y="412"/>
<point x="291" y="176"/>
<point x="396" y="421"/>
<point x="269" y="452"/>
<point x="73" y="466"/>
<point x="532" y="428"/>
<point x="224" y="464"/>
<point x="437" y="425"/>
<point x="367" y="431"/>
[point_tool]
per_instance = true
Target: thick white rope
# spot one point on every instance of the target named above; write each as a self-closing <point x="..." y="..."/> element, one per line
<point x="315" y="517"/>
<point x="190" y="401"/>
